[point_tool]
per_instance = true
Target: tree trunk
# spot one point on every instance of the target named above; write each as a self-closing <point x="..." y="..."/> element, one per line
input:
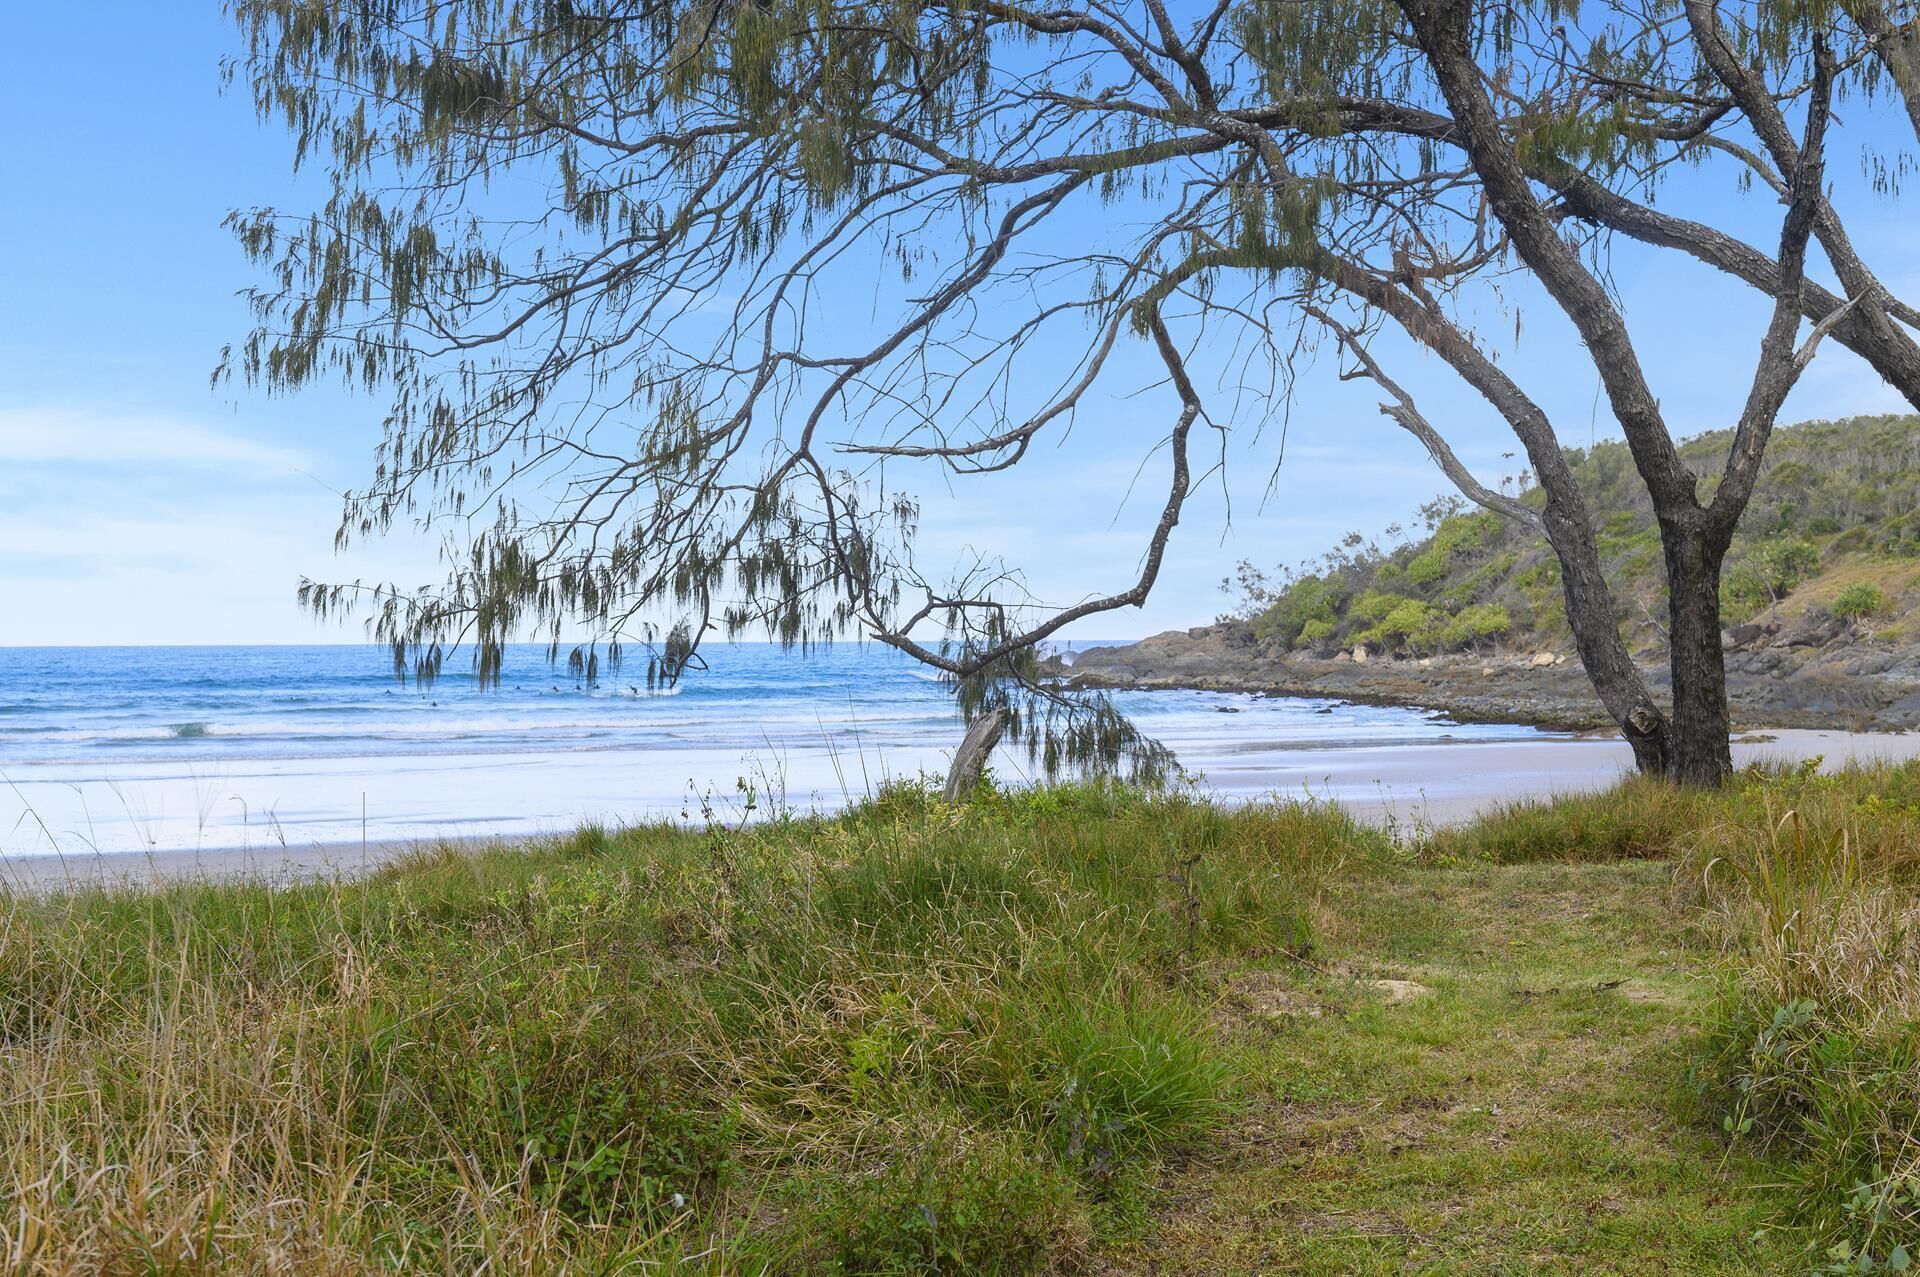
<point x="1701" y="753"/>
<point x="971" y="758"/>
<point x="1596" y="632"/>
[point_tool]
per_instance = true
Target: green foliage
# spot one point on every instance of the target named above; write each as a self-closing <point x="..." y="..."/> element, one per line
<point x="524" y="212"/>
<point x="1373" y="606"/>
<point x="1428" y="566"/>
<point x="1861" y="599"/>
<point x="1311" y="601"/>
<point x="984" y="1039"/>
<point x="1316" y="632"/>
<point x="955" y="1203"/>
<point x="1767" y="573"/>
<point x="1408" y="623"/>
<point x="1476" y="624"/>
<point x="1451" y="544"/>
<point x="1805" y="883"/>
<point x="1821" y="480"/>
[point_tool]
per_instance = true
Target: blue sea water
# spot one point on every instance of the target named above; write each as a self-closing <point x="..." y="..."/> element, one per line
<point x="187" y="704"/>
<point x="182" y="704"/>
<point x="152" y="747"/>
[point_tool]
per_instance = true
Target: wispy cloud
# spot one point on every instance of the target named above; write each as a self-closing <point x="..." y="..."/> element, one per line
<point x="69" y="435"/>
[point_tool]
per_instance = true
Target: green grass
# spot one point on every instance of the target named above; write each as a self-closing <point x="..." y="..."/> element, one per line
<point x="1528" y="1109"/>
<point x="1073" y="1030"/>
<point x="913" y="1038"/>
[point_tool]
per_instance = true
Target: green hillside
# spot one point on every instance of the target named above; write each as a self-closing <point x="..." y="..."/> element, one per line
<point x="1834" y="525"/>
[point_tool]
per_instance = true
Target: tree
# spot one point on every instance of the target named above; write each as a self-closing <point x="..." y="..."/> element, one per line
<point x="598" y="256"/>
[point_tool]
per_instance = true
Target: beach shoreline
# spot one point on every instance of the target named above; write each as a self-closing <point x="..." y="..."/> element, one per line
<point x="1404" y="786"/>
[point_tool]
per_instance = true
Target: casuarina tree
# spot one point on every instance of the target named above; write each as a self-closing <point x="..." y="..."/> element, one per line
<point x="670" y="303"/>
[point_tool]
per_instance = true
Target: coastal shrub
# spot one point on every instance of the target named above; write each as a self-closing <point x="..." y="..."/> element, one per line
<point x="1311" y="600"/>
<point x="1476" y="624"/>
<point x="1767" y="573"/>
<point x="1316" y="632"/>
<point x="1372" y="606"/>
<point x="1429" y="566"/>
<point x="1848" y="486"/>
<point x="1444" y="550"/>
<point x="1861" y="599"/>
<point x="1408" y="623"/>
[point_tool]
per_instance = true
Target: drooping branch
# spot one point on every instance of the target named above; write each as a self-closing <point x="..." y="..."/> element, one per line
<point x="899" y="635"/>
<point x="1404" y="413"/>
<point x="629" y="273"/>
<point x="1897" y="45"/>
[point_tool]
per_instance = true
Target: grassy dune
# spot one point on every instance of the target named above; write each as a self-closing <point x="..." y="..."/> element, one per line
<point x="1075" y="1030"/>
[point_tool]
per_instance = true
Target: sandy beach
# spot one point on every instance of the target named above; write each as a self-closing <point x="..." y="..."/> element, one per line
<point x="1408" y="785"/>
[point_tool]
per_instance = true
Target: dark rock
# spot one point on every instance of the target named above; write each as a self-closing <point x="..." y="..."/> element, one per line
<point x="1817" y="673"/>
<point x="1815" y="629"/>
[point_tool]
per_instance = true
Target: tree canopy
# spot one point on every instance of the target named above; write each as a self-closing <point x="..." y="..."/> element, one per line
<point x="601" y="257"/>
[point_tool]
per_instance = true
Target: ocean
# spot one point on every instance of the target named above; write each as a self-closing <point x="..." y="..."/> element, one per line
<point x="177" y="748"/>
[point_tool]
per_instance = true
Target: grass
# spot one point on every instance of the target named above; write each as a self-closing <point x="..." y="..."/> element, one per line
<point x="1077" y="1030"/>
<point x="1528" y="1110"/>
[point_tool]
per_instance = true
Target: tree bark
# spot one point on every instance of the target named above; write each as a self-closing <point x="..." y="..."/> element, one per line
<point x="1596" y="635"/>
<point x="1564" y="520"/>
<point x="1701" y="753"/>
<point x="971" y="758"/>
<point x="1889" y="349"/>
<point x="1899" y="50"/>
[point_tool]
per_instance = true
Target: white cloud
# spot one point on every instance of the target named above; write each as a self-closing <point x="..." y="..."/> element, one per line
<point x="120" y="526"/>
<point x="72" y="435"/>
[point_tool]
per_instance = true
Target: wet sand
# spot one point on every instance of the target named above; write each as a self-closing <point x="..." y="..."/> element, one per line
<point x="1407" y="785"/>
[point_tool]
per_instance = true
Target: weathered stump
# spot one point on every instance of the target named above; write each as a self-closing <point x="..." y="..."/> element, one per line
<point x="971" y="758"/>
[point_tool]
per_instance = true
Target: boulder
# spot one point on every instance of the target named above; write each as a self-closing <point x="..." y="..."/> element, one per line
<point x="1359" y="654"/>
<point x="1815" y="629"/>
<point x="1540" y="660"/>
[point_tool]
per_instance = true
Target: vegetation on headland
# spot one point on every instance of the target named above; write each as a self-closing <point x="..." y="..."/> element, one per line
<point x="1831" y="531"/>
<point x="1657" y="1030"/>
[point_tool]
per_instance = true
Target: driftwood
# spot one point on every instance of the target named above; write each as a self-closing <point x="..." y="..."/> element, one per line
<point x="971" y="758"/>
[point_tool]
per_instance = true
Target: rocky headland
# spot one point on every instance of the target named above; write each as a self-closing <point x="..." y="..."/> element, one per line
<point x="1817" y="674"/>
<point x="1820" y="595"/>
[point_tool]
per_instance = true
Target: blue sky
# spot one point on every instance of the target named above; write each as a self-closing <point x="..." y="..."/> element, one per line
<point x="140" y="505"/>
